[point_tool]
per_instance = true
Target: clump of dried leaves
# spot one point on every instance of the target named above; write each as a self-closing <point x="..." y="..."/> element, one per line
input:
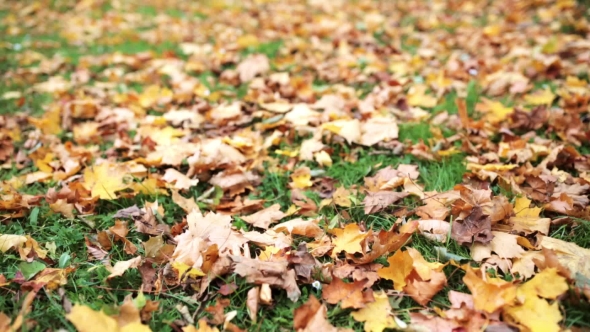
<point x="223" y="109"/>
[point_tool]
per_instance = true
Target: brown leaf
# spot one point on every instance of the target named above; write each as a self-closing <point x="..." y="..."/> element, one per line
<point x="252" y="66"/>
<point x="120" y="231"/>
<point x="351" y="295"/>
<point x="475" y="228"/>
<point x="272" y="273"/>
<point x="187" y="204"/>
<point x="386" y="242"/>
<point x="377" y="201"/>
<point x="148" y="224"/>
<point x="148" y="274"/>
<point x="312" y="316"/>
<point x="227" y="289"/>
<point x="299" y="226"/>
<point x="264" y="218"/>
<point x="252" y="303"/>
<point x="304" y="263"/>
<point x="423" y="291"/>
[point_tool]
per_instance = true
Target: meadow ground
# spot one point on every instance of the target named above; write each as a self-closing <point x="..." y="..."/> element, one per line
<point x="294" y="110"/>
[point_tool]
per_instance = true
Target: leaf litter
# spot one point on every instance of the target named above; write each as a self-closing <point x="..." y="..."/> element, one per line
<point x="229" y="95"/>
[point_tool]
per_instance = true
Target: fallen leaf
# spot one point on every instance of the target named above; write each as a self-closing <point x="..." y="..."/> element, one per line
<point x="106" y="179"/>
<point x="300" y="226"/>
<point x="120" y="267"/>
<point x="178" y="180"/>
<point x="264" y="218"/>
<point x="272" y="273"/>
<point x="475" y="228"/>
<point x="8" y="241"/>
<point x="348" y="239"/>
<point x="377" y="315"/>
<point x="436" y="230"/>
<point x="349" y="295"/>
<point x="252" y="303"/>
<point x="377" y="201"/>
<point x="252" y="66"/>
<point x="400" y="267"/>
<point x="88" y="320"/>
<point x="490" y="294"/>
<point x="423" y="291"/>
<point x="312" y="316"/>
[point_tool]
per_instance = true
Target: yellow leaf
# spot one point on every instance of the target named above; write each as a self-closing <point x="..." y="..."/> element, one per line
<point x="544" y="97"/>
<point x="548" y="284"/>
<point x="400" y="267"/>
<point x="536" y="314"/>
<point x="496" y="111"/>
<point x="570" y="255"/>
<point x="88" y="320"/>
<point x="8" y="241"/>
<point x="417" y="97"/>
<point x="301" y="178"/>
<point x="203" y="327"/>
<point x="185" y="271"/>
<point x="490" y="167"/>
<point x="348" y="239"/>
<point x="349" y="129"/>
<point x="323" y="158"/>
<point x="342" y="197"/>
<point x="422" y="266"/>
<point x="377" y="315"/>
<point x="522" y="208"/>
<point x="50" y="123"/>
<point x="491" y="294"/>
<point x="246" y="41"/>
<point x="105" y="179"/>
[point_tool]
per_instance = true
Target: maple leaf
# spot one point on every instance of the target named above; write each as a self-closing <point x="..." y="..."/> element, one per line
<point x="377" y="201"/>
<point x="8" y="241"/>
<point x="178" y="180"/>
<point x="503" y="244"/>
<point x="491" y="294"/>
<point x="475" y="228"/>
<point x="527" y="218"/>
<point x="377" y="130"/>
<point x="350" y="295"/>
<point x="300" y="226"/>
<point x="272" y="273"/>
<point x="533" y="311"/>
<point x="312" y="316"/>
<point x="252" y="66"/>
<point x="400" y="267"/>
<point x="377" y="315"/>
<point x="571" y="256"/>
<point x="348" y="239"/>
<point x="436" y="230"/>
<point x="385" y="242"/>
<point x="122" y="266"/>
<point x="301" y="178"/>
<point x="265" y="217"/>
<point x="204" y="231"/>
<point x="105" y="180"/>
<point x="87" y="320"/>
<point x="341" y="197"/>
<point x="350" y="130"/>
<point x="423" y="291"/>
<point x="187" y="204"/>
